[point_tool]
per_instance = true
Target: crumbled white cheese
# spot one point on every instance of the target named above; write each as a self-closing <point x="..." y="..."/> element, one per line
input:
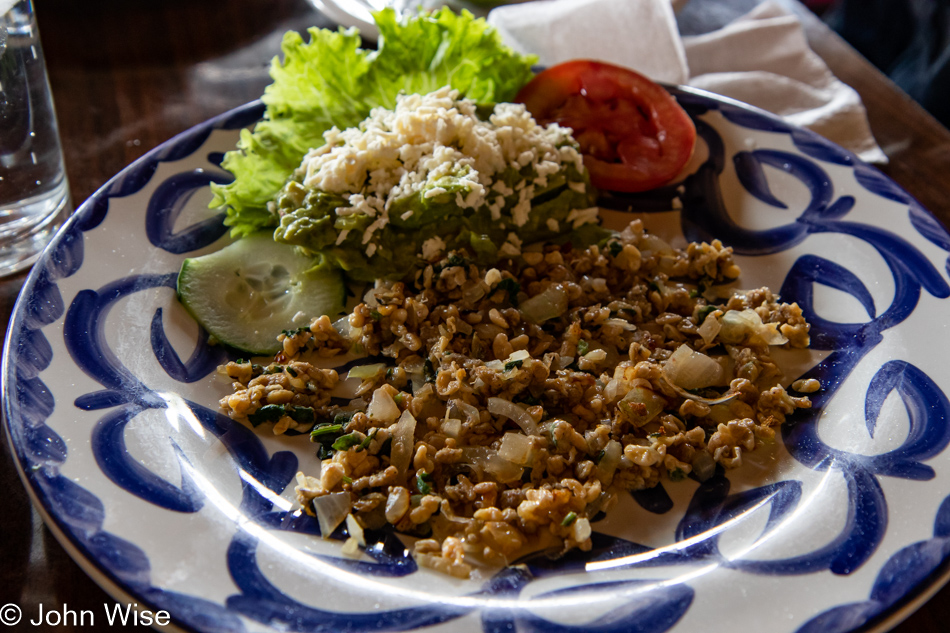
<point x="511" y="247"/>
<point x="553" y="225"/>
<point x="412" y="149"/>
<point x="432" y="248"/>
<point x="583" y="216"/>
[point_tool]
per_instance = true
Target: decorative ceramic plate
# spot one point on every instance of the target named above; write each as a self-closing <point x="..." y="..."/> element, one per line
<point x="110" y="396"/>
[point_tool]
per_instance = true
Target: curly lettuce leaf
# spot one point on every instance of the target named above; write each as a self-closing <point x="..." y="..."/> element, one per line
<point x="330" y="81"/>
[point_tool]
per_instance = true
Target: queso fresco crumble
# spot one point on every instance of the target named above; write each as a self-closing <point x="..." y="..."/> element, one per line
<point x="437" y="173"/>
<point x="517" y="401"/>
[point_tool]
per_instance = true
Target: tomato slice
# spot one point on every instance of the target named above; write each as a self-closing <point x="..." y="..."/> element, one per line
<point x="632" y="132"/>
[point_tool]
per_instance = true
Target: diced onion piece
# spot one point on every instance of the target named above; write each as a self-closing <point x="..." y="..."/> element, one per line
<point x="404" y="439"/>
<point x="692" y="370"/>
<point x="651" y="243"/>
<point x="344" y="329"/>
<point x="564" y="361"/>
<point x="331" y="510"/>
<point x="348" y="388"/>
<point x="710" y="328"/>
<point x="580" y="530"/>
<point x="549" y="304"/>
<point x="625" y="325"/>
<point x="382" y="408"/>
<point x="365" y="371"/>
<point x="355" y="530"/>
<point x="704" y="466"/>
<point x="521" y="354"/>
<point x="738" y="326"/>
<point x="499" y="406"/>
<point x="469" y="411"/>
<point x="609" y="462"/>
<point x="596" y="355"/>
<point x="516" y="448"/>
<point x="720" y="414"/>
<point x="491" y="462"/>
<point x="452" y="428"/>
<point x="473" y="293"/>
<point x="770" y="335"/>
<point x="653" y="404"/>
<point x="350" y="548"/>
<point x="397" y="504"/>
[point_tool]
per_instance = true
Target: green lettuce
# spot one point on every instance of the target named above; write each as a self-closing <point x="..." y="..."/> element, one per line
<point x="331" y="81"/>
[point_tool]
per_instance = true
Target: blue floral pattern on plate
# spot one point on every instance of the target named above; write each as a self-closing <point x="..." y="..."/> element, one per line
<point x="110" y="400"/>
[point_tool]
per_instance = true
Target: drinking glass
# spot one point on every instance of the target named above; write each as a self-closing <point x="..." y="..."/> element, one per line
<point x="34" y="192"/>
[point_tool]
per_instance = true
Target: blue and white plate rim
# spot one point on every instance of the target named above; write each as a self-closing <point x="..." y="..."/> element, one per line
<point x="239" y="117"/>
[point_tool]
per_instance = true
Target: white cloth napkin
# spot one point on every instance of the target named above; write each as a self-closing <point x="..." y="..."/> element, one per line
<point x="762" y="58"/>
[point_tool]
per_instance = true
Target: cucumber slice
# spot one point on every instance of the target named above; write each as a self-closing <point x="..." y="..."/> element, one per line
<point x="248" y="292"/>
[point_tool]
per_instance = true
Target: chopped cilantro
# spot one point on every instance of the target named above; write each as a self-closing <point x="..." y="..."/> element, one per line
<point x="325" y="431"/>
<point x="291" y="371"/>
<point x="267" y="413"/>
<point x="300" y="415"/>
<point x="513" y="364"/>
<point x="582" y="347"/>
<point x="348" y="441"/>
<point x="510" y="286"/>
<point x="429" y="371"/>
<point x="422" y="482"/>
<point x="366" y="442"/>
<point x="569" y="519"/>
<point x="615" y="248"/>
<point x="375" y="315"/>
<point x="677" y="474"/>
<point x="704" y="312"/>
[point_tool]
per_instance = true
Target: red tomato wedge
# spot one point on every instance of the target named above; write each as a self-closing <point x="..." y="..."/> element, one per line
<point x="632" y="132"/>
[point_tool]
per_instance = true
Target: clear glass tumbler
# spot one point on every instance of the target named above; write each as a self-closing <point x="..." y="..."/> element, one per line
<point x="34" y="192"/>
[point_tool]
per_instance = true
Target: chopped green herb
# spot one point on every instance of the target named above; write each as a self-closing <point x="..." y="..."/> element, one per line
<point x="343" y="417"/>
<point x="348" y="441"/>
<point x="615" y="248"/>
<point x="240" y="361"/>
<point x="295" y="332"/>
<point x="325" y="431"/>
<point x="693" y="293"/>
<point x="513" y="364"/>
<point x="510" y="286"/>
<point x="582" y="347"/>
<point x="569" y="519"/>
<point x="677" y="474"/>
<point x="267" y="413"/>
<point x="704" y="312"/>
<point x="325" y="451"/>
<point x="428" y="371"/>
<point x="369" y="438"/>
<point x="291" y="371"/>
<point x="346" y="479"/>
<point x="300" y="415"/>
<point x="422" y="482"/>
<point x="376" y="316"/>
<point x="398" y="398"/>
<point x="599" y="456"/>
<point x="456" y="260"/>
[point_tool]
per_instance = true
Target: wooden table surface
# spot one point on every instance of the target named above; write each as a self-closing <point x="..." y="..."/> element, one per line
<point x="128" y="75"/>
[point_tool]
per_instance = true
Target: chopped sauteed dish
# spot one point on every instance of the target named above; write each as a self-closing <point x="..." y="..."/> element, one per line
<point x="513" y="367"/>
